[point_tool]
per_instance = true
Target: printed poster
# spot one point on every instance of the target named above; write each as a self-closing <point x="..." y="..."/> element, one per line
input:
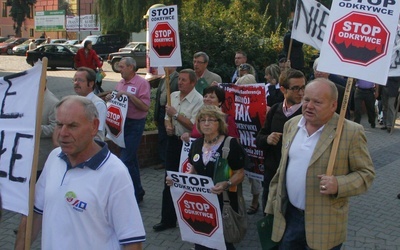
<point x="197" y="209"/>
<point x="247" y="104"/>
<point x="115" y="120"/>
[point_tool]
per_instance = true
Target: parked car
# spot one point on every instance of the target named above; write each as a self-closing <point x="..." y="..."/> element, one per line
<point x="72" y="42"/>
<point x="59" y="55"/>
<point x="2" y="39"/>
<point x="21" y="49"/>
<point x="105" y="44"/>
<point x="136" y="50"/>
<point x="7" y="46"/>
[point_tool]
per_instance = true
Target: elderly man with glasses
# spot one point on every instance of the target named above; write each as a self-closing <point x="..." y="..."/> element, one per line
<point x="204" y="76"/>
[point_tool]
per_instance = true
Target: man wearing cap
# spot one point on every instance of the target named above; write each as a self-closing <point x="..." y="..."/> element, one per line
<point x="245" y="75"/>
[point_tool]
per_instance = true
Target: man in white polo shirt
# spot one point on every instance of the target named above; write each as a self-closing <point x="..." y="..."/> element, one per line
<point x="85" y="197"/>
<point x="84" y="83"/>
<point x="310" y="208"/>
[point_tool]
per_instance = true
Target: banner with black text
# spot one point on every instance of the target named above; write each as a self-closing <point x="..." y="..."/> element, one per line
<point x="19" y="94"/>
<point x="247" y="104"/>
<point x="117" y="108"/>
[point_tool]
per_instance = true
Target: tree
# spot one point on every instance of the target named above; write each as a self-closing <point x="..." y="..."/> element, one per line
<point x="20" y="10"/>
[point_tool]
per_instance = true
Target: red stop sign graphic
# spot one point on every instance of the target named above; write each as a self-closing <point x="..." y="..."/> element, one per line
<point x="185" y="166"/>
<point x="163" y="39"/>
<point x="198" y="213"/>
<point x="114" y="120"/>
<point x="359" y="38"/>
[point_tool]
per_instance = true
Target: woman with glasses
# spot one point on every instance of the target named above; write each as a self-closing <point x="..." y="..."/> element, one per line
<point x="213" y="95"/>
<point x="206" y="152"/>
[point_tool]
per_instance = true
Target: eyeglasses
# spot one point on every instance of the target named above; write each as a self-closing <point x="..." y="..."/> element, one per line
<point x="297" y="88"/>
<point x="208" y="120"/>
<point x="198" y="62"/>
<point x="78" y="80"/>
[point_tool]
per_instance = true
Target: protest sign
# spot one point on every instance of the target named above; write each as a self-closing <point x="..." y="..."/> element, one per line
<point x="165" y="49"/>
<point x="248" y="105"/>
<point x="184" y="161"/>
<point x="197" y="209"/>
<point x="116" y="115"/>
<point x="359" y="39"/>
<point x="18" y="119"/>
<point x="309" y="22"/>
<point x="395" y="61"/>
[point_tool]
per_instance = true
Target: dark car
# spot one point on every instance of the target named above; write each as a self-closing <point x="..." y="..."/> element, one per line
<point x="59" y="55"/>
<point x="2" y="39"/>
<point x="136" y="50"/>
<point x="105" y="44"/>
<point x="7" y="46"/>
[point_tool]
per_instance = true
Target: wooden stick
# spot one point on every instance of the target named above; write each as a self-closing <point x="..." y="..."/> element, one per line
<point x="339" y="128"/>
<point x="289" y="51"/>
<point x="39" y="109"/>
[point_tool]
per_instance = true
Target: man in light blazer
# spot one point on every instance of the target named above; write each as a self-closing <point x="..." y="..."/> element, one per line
<point x="204" y="77"/>
<point x="311" y="209"/>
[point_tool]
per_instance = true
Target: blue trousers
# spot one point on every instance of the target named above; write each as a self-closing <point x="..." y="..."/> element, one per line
<point x="294" y="237"/>
<point x="133" y="131"/>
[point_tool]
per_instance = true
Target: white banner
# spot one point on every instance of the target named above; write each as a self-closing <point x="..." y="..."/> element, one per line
<point x="19" y="94"/>
<point x="359" y="39"/>
<point x="197" y="210"/>
<point x="115" y="121"/>
<point x="165" y="49"/>
<point x="395" y="62"/>
<point x="309" y="22"/>
<point x="183" y="162"/>
<point x="87" y="23"/>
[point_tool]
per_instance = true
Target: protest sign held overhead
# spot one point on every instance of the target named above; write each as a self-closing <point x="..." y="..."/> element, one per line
<point x="164" y="37"/>
<point x="359" y="39"/>
<point x="309" y="22"/>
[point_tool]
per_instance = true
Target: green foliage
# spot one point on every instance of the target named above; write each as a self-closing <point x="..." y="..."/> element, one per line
<point x="20" y="9"/>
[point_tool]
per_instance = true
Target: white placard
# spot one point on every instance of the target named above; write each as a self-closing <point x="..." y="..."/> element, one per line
<point x="165" y="49"/>
<point x="359" y="39"/>
<point x="18" y="93"/>
<point x="115" y="120"/>
<point x="197" y="210"/>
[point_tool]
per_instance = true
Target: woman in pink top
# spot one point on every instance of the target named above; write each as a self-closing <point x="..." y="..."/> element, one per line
<point x="213" y="95"/>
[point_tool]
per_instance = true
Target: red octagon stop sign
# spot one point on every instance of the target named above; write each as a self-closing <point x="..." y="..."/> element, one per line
<point x="163" y="39"/>
<point x="198" y="213"/>
<point x="114" y="120"/>
<point x="359" y="38"/>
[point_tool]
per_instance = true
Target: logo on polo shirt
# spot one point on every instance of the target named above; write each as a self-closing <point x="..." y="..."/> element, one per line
<point x="76" y="204"/>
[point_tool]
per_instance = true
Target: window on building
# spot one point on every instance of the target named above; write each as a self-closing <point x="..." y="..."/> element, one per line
<point x="4" y="9"/>
<point x="30" y="11"/>
<point x="31" y="32"/>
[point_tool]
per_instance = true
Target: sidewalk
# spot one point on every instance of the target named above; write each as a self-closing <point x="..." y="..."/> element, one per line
<point x="374" y="219"/>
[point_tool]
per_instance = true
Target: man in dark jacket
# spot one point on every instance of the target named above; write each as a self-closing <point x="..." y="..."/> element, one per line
<point x="292" y="84"/>
<point x="159" y="111"/>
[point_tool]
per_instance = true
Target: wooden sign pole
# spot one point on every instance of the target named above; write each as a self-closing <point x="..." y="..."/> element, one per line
<point x="339" y="128"/>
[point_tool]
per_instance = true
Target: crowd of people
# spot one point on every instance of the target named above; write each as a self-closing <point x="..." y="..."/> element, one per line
<point x="89" y="197"/>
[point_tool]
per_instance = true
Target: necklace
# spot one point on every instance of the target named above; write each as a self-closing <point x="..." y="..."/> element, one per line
<point x="210" y="142"/>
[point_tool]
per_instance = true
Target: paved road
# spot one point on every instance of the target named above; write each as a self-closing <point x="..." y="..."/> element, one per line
<point x="374" y="219"/>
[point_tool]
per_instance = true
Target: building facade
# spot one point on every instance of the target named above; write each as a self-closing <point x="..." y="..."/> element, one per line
<point x="75" y="7"/>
